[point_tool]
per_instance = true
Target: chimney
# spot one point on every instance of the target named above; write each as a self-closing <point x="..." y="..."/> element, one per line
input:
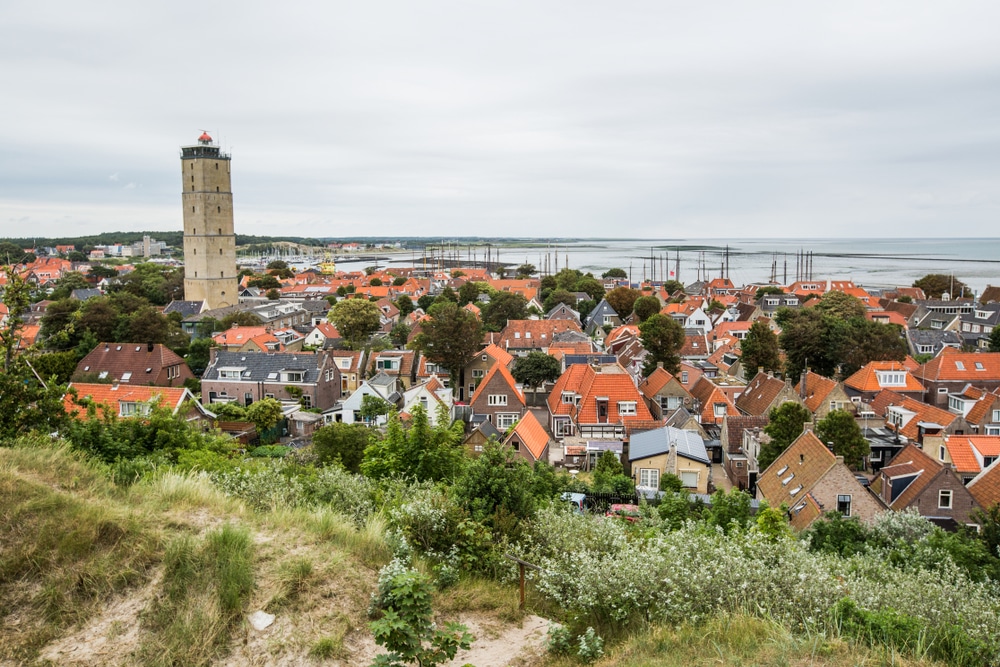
<point x="802" y="385"/>
<point x="149" y="346"/>
<point x="659" y="364"/>
<point x="807" y="427"/>
<point x="114" y="385"/>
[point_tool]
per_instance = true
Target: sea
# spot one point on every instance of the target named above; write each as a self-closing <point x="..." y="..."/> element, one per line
<point x="869" y="262"/>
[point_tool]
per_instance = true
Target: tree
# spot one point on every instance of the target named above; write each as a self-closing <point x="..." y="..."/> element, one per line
<point x="56" y="366"/>
<point x="730" y="511"/>
<point x="100" y="317"/>
<point x="469" y="292"/>
<point x="673" y="287"/>
<point x="504" y="306"/>
<point x="244" y="318"/>
<point x="406" y="628"/>
<point x="767" y="289"/>
<point x="26" y="402"/>
<point x="425" y="302"/>
<point x="373" y="407"/>
<point x="342" y="444"/>
<point x="496" y="485"/>
<point x="375" y="282"/>
<point x="558" y="296"/>
<point x="645" y="307"/>
<point x="809" y="336"/>
<point x="786" y="424"/>
<point x="57" y="320"/>
<point x="356" y="320"/>
<point x="935" y="285"/>
<point x="265" y="283"/>
<point x="609" y="475"/>
<point x="525" y="271"/>
<point x="69" y="282"/>
<point x="614" y="273"/>
<point x="866" y="341"/>
<point x="995" y="340"/>
<point x="400" y="334"/>
<point x="760" y="350"/>
<point x="451" y="337"/>
<point x="663" y="338"/>
<point x="841" y="431"/>
<point x="405" y="305"/>
<point x="11" y="253"/>
<point x="420" y="452"/>
<point x="842" y="306"/>
<point x="535" y="369"/>
<point x="198" y="355"/>
<point x="265" y="413"/>
<point x="622" y="299"/>
<point x="398" y="281"/>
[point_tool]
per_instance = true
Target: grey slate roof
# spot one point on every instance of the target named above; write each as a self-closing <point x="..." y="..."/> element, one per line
<point x="185" y="308"/>
<point x="84" y="294"/>
<point x="651" y="443"/>
<point x="572" y="359"/>
<point x="261" y="366"/>
<point x="933" y="337"/>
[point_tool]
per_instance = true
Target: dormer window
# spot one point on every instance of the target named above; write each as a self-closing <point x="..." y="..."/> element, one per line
<point x="291" y="376"/>
<point x="568" y="397"/>
<point x="626" y="408"/>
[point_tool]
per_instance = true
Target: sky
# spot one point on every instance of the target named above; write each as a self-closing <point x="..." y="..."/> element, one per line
<point x="561" y="118"/>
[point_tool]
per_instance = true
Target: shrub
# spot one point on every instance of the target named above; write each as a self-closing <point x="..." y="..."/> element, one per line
<point x="591" y="646"/>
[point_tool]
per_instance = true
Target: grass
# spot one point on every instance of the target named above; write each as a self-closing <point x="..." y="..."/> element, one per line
<point x="205" y="586"/>
<point x="740" y="641"/>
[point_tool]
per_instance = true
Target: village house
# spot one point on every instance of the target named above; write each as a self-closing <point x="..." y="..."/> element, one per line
<point x="663" y="393"/>
<point x="520" y="337"/>
<point x="950" y="372"/>
<point x="383" y="386"/>
<point x="713" y="398"/>
<point x="134" y="363"/>
<point x="985" y="488"/>
<point x="878" y="375"/>
<point x="810" y="480"/>
<point x="914" y="479"/>
<point x="400" y="364"/>
<point x="430" y="395"/>
<point x="528" y="439"/>
<point x="740" y="439"/>
<point x="119" y="400"/>
<point x="821" y="395"/>
<point x="968" y="455"/>
<point x="351" y="364"/>
<point x="311" y="380"/>
<point x="480" y="365"/>
<point x="498" y="398"/>
<point x="603" y="315"/>
<point x="595" y="402"/>
<point x="765" y="393"/>
<point x="667" y="450"/>
<point x="913" y="420"/>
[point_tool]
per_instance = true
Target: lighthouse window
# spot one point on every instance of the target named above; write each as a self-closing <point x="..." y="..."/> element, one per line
<point x="216" y="188"/>
<point x="192" y="178"/>
<point x="220" y="231"/>
<point x="218" y="209"/>
<point x="217" y="166"/>
<point x="192" y="188"/>
<point x="220" y="251"/>
<point x="222" y="274"/>
<point x="194" y="250"/>
<point x="192" y="209"/>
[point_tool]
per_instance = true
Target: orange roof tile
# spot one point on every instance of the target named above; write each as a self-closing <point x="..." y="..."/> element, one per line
<point x="108" y="397"/>
<point x="818" y="388"/>
<point x="531" y="434"/>
<point x="985" y="488"/>
<point x="960" y="453"/>
<point x="953" y="365"/>
<point x="656" y="381"/>
<point x="867" y="378"/>
<point x="238" y="335"/>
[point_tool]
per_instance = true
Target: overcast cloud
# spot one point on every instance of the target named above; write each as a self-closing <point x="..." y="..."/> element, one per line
<point x="570" y="118"/>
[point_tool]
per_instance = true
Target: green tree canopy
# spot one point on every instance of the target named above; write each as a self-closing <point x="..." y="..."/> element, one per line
<point x="663" y="337"/>
<point x="645" y="307"/>
<point x="451" y="337"/>
<point x="841" y="305"/>
<point x="419" y="452"/>
<point x="995" y="340"/>
<point x="673" y="287"/>
<point x="265" y="413"/>
<point x="558" y="296"/>
<point x="786" y="424"/>
<point x="935" y="285"/>
<point x="536" y="368"/>
<point x="525" y="271"/>
<point x="622" y="299"/>
<point x="504" y="306"/>
<point x="470" y="291"/>
<point x="356" y="320"/>
<point x="840" y="430"/>
<point x="760" y="350"/>
<point x="614" y="273"/>
<point x="342" y="444"/>
<point x="496" y="486"/>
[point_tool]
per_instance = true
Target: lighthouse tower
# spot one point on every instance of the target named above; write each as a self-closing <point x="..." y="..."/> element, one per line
<point x="209" y="234"/>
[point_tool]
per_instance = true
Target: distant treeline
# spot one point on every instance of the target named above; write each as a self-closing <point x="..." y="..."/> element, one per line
<point x="171" y="238"/>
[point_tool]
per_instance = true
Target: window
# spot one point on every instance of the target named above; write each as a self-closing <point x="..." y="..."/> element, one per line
<point x="497" y="399"/>
<point x="567" y="397"/>
<point x="306" y="401"/>
<point x="478" y="448"/>
<point x="132" y="408"/>
<point x="959" y="365"/>
<point x="649" y="478"/>
<point x="626" y="408"/>
<point x="942" y="390"/>
<point x="478" y="373"/>
<point x="506" y="420"/>
<point x="844" y="505"/>
<point x="979" y="366"/>
<point x="684" y="377"/>
<point x="670" y="402"/>
<point x="942" y="452"/>
<point x="329" y="374"/>
<point x="785" y="481"/>
<point x="230" y="373"/>
<point x="247" y="398"/>
<point x="126" y="376"/>
<point x="720" y="409"/>
<point x="291" y="376"/>
<point x="387" y="364"/>
<point x="689" y="479"/>
<point x="944" y="499"/>
<point x="268" y="395"/>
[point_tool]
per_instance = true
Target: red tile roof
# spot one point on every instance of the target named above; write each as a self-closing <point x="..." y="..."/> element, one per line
<point x="237" y="336"/>
<point x="652" y="385"/>
<point x="953" y="365"/>
<point x="534" y="333"/>
<point x="589" y="385"/>
<point x="985" y="488"/>
<point x="818" y="388"/>
<point x="109" y="397"/>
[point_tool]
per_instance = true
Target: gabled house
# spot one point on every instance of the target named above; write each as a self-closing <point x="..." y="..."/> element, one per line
<point x="427" y="369"/>
<point x="430" y="395"/>
<point x="322" y="334"/>
<point x="968" y="455"/>
<point x="595" y="403"/>
<point x="930" y="341"/>
<point x="119" y="400"/>
<point x="480" y="365"/>
<point x="400" y="364"/>
<point x="528" y="439"/>
<point x="985" y="488"/>
<point x="134" y="363"/>
<point x="764" y="393"/>
<point x="601" y="316"/>
<point x="351" y="364"/>
<point x="520" y="337"/>
<point x="914" y="420"/>
<point x="311" y="380"/>
<point x="712" y="403"/>
<point x="663" y="393"/>
<point x="821" y="395"/>
<point x="984" y="416"/>
<point x="740" y="439"/>
<point x="563" y="312"/>
<point x="667" y="450"/>
<point x="483" y="432"/>
<point x="236" y="337"/>
<point x="878" y="375"/>
<point x="498" y="398"/>
<point x="951" y="371"/>
<point x="381" y="385"/>
<point x="914" y="479"/>
<point x="810" y="480"/>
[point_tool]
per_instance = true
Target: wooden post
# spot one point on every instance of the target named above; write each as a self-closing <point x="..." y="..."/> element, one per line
<point x="521" y="568"/>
